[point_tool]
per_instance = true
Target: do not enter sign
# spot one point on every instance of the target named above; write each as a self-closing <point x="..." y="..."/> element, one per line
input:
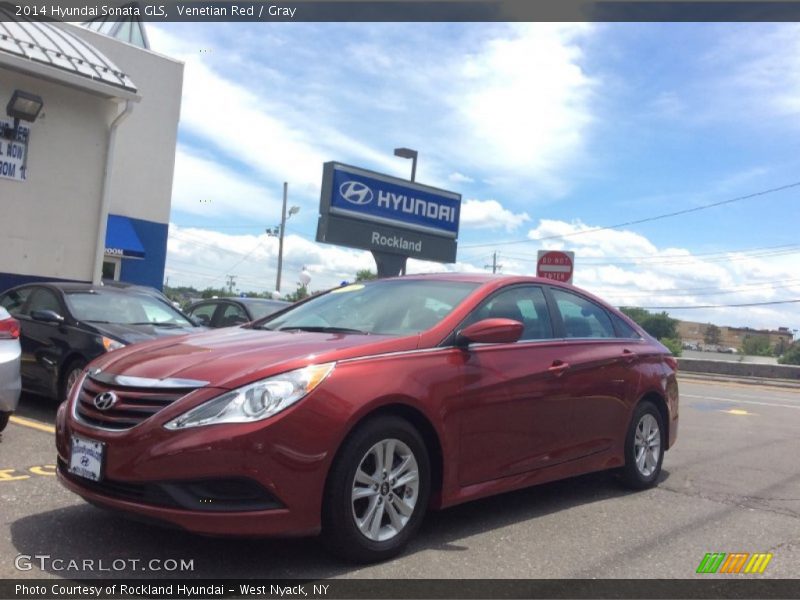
<point x="554" y="264"/>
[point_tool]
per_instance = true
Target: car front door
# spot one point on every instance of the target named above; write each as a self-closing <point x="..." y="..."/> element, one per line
<point x="44" y="344"/>
<point x="514" y="412"/>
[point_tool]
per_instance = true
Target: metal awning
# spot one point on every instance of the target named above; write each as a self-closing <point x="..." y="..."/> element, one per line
<point x="121" y="238"/>
<point x="47" y="50"/>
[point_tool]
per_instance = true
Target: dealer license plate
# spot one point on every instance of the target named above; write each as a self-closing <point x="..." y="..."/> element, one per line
<point x="86" y="459"/>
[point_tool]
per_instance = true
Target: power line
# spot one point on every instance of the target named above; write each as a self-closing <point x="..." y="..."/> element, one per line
<point x="720" y="305"/>
<point x="645" y="220"/>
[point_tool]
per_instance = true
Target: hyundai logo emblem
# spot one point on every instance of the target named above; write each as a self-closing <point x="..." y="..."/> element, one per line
<point x="105" y="400"/>
<point x="355" y="192"/>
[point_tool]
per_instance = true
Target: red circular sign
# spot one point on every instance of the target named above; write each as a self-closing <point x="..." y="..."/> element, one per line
<point x="555" y="265"/>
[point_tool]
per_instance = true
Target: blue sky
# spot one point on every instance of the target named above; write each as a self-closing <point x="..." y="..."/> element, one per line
<point x="545" y="129"/>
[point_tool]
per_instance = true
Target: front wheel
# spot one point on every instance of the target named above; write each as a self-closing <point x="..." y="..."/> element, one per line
<point x="70" y="377"/>
<point x="4" y="418"/>
<point x="377" y="491"/>
<point x="644" y="447"/>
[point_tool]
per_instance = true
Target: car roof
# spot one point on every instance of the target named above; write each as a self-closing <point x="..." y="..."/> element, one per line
<point x="77" y="286"/>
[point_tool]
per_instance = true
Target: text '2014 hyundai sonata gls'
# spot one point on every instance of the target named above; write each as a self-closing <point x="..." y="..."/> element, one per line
<point x="354" y="412"/>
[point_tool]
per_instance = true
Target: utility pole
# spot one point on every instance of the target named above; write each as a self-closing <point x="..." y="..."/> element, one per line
<point x="279" y="230"/>
<point x="494" y="265"/>
<point x="231" y="283"/>
<point x="280" y="238"/>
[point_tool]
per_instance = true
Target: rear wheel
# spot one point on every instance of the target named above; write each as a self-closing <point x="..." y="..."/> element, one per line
<point x="377" y="491"/>
<point x="70" y="376"/>
<point x="4" y="417"/>
<point x="644" y="447"/>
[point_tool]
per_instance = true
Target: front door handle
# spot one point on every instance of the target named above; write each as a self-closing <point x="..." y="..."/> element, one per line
<point x="558" y="368"/>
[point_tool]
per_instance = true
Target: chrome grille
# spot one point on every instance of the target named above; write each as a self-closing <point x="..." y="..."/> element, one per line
<point x="133" y="405"/>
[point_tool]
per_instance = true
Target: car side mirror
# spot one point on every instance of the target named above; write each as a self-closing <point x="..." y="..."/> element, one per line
<point x="490" y="331"/>
<point x="47" y="316"/>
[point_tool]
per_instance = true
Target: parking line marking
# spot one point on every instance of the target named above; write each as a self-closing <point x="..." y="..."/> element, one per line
<point x="738" y="401"/>
<point x="33" y="424"/>
<point x="738" y="411"/>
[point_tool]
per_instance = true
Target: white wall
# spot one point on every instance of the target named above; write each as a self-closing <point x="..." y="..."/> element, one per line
<point x="47" y="222"/>
<point x="145" y="155"/>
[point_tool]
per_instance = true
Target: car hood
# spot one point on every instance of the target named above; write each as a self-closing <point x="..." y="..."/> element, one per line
<point x="234" y="356"/>
<point x="132" y="334"/>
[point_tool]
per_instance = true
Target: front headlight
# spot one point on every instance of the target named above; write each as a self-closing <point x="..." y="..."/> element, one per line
<point x="255" y="401"/>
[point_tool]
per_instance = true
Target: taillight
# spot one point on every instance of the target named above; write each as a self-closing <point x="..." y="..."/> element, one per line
<point x="9" y="329"/>
<point x="672" y="362"/>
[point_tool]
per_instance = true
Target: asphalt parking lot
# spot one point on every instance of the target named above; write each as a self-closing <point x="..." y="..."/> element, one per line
<point x="731" y="484"/>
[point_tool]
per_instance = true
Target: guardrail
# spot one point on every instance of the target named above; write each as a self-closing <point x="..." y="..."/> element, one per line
<point x="739" y="369"/>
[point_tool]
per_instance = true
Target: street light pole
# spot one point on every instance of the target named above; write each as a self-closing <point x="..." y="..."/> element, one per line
<point x="408" y="153"/>
<point x="412" y="154"/>
<point x="280" y="238"/>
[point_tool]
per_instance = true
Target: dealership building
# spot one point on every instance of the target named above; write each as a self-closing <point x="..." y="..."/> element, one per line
<point x="88" y="128"/>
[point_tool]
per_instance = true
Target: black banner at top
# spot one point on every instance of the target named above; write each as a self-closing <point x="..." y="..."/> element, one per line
<point x="403" y="10"/>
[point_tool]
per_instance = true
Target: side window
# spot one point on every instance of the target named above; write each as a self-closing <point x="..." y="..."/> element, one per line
<point x="203" y="313"/>
<point x="624" y="330"/>
<point x="14" y="300"/>
<point x="582" y="318"/>
<point x="233" y="314"/>
<point x="43" y="299"/>
<point x="525" y="304"/>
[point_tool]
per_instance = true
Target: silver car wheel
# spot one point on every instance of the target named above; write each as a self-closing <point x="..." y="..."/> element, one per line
<point x="72" y="379"/>
<point x="647" y="445"/>
<point x="385" y="490"/>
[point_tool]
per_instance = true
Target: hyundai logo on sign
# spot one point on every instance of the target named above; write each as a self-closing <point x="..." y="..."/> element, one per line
<point x="356" y="192"/>
<point x="367" y="196"/>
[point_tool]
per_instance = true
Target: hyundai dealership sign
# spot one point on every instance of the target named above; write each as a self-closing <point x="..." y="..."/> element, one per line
<point x="364" y="209"/>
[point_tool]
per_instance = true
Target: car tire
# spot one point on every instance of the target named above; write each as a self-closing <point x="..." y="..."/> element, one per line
<point x="4" y="418"/>
<point x="370" y="512"/>
<point x="644" y="447"/>
<point x="69" y="376"/>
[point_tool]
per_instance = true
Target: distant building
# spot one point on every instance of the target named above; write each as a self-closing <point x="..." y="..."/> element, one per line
<point x="61" y="174"/>
<point x="732" y="337"/>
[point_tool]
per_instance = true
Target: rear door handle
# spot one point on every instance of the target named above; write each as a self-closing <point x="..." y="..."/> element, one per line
<point x="558" y="367"/>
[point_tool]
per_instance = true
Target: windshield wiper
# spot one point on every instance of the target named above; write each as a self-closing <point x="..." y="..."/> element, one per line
<point x="95" y="321"/>
<point x="156" y="324"/>
<point x="319" y="329"/>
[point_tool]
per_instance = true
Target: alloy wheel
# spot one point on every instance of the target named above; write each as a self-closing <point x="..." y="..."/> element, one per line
<point x="647" y="445"/>
<point x="385" y="490"/>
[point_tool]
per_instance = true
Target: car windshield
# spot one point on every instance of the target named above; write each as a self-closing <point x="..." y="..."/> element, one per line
<point x="391" y="307"/>
<point x="123" y="309"/>
<point x="262" y="309"/>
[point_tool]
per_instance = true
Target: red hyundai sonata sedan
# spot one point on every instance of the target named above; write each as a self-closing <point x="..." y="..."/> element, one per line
<point x="356" y="411"/>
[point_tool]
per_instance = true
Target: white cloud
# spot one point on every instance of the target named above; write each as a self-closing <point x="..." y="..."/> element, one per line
<point x="490" y="214"/>
<point x="527" y="102"/>
<point x="208" y="188"/>
<point x="457" y="177"/>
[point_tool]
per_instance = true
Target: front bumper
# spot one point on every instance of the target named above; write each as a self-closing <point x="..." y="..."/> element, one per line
<point x="162" y="475"/>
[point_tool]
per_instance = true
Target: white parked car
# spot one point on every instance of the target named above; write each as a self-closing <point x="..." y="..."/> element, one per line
<point x="10" y="383"/>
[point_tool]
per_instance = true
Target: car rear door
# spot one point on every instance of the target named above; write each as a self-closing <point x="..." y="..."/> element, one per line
<point x="599" y="371"/>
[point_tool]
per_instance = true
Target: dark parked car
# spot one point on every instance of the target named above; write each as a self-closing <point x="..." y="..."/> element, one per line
<point x="66" y="325"/>
<point x="226" y="312"/>
<point x="355" y="411"/>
